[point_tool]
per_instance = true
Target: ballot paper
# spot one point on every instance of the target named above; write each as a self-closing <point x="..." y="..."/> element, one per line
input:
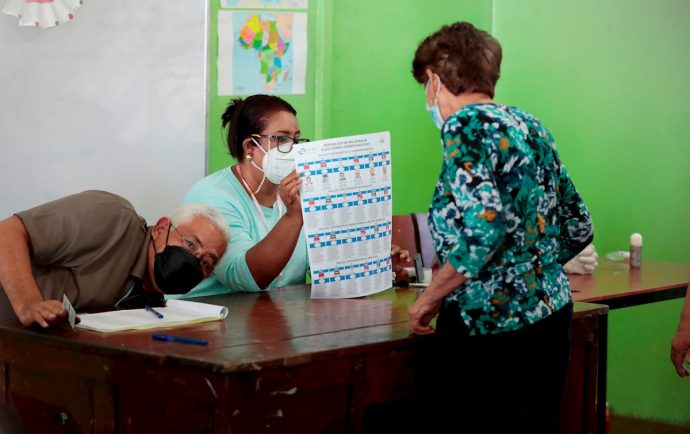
<point x="347" y="208"/>
<point x="71" y="315"/>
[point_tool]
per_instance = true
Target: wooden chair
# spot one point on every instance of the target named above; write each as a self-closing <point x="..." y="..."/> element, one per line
<point x="411" y="232"/>
<point x="405" y="233"/>
<point x="426" y="244"/>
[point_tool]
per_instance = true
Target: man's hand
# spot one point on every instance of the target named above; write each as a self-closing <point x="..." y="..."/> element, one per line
<point x="44" y="312"/>
<point x="680" y="352"/>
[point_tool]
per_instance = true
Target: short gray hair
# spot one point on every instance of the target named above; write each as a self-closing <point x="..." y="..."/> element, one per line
<point x="188" y="212"/>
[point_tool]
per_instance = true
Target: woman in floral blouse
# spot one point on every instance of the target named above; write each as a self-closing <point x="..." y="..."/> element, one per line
<point x="505" y="216"/>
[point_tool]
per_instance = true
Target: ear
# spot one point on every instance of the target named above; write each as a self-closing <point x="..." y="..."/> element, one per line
<point x="160" y="228"/>
<point x="429" y="76"/>
<point x="248" y="145"/>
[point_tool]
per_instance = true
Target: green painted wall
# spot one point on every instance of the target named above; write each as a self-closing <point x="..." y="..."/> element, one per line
<point x="610" y="79"/>
<point x="359" y="81"/>
<point x="607" y="77"/>
<point x="372" y="88"/>
<point x="306" y="105"/>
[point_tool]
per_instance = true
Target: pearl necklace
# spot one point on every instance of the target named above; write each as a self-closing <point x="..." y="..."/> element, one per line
<point x="261" y="184"/>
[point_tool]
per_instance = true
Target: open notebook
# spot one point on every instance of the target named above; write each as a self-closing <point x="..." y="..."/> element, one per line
<point x="176" y="312"/>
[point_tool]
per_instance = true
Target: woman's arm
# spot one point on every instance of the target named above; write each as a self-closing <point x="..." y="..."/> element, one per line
<point x="270" y="255"/>
<point x="429" y="302"/>
<point x="680" y="347"/>
<point x="576" y="231"/>
<point x="476" y="222"/>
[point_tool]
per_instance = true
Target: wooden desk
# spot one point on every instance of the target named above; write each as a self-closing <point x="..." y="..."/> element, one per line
<point x="280" y="362"/>
<point x="617" y="286"/>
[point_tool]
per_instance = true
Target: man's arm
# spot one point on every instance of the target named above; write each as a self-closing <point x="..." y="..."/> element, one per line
<point x="18" y="281"/>
<point x="680" y="347"/>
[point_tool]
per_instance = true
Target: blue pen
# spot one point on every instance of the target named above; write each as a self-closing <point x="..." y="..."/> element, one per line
<point x="154" y="311"/>
<point x="170" y="338"/>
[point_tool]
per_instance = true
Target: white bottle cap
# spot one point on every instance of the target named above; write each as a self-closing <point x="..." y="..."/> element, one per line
<point x="636" y="240"/>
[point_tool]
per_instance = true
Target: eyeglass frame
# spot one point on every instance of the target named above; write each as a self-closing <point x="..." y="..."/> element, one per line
<point x="193" y="248"/>
<point x="277" y="138"/>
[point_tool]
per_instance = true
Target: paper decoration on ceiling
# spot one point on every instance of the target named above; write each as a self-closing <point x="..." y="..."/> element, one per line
<point x="42" y="13"/>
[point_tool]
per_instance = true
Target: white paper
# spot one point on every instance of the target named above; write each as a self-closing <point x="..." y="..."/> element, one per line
<point x="347" y="208"/>
<point x="176" y="312"/>
<point x="252" y="62"/>
<point x="71" y="315"/>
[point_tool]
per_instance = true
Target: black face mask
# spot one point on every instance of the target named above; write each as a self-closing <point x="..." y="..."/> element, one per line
<point x="175" y="269"/>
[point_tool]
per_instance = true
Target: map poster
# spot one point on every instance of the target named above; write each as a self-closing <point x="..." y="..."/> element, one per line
<point x="265" y="4"/>
<point x="261" y="52"/>
<point x="347" y="207"/>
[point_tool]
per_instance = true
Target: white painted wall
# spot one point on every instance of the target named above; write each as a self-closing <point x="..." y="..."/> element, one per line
<point x="113" y="100"/>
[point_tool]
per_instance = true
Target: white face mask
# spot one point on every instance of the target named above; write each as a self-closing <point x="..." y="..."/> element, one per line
<point x="433" y="109"/>
<point x="276" y="165"/>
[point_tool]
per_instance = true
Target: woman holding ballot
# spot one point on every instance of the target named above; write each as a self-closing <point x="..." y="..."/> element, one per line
<point x="260" y="197"/>
<point x="505" y="217"/>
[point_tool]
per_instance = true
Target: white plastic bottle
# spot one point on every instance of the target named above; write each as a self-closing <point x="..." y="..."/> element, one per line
<point x="635" y="250"/>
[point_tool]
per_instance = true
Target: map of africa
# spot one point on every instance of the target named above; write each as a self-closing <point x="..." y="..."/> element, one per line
<point x="269" y="38"/>
<point x="261" y="52"/>
<point x="254" y="4"/>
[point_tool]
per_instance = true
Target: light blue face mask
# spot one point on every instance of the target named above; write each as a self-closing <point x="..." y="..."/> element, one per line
<point x="433" y="109"/>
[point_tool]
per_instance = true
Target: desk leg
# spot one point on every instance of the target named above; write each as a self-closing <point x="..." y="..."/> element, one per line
<point x="601" y="373"/>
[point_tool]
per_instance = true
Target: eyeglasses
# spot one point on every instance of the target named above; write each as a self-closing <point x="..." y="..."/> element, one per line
<point x="283" y="143"/>
<point x="194" y="248"/>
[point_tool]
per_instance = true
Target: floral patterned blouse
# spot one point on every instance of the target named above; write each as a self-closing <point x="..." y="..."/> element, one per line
<point x="506" y="215"/>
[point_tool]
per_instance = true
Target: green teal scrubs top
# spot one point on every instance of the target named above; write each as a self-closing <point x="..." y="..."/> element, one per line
<point x="224" y="192"/>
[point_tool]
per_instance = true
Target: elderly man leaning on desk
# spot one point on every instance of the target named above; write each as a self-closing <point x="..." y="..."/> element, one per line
<point x="95" y="249"/>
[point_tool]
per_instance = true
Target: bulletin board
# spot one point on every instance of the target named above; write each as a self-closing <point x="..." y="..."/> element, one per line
<point x="115" y="99"/>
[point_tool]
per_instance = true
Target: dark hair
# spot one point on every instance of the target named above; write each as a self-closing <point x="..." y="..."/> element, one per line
<point x="245" y="117"/>
<point x="466" y="59"/>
